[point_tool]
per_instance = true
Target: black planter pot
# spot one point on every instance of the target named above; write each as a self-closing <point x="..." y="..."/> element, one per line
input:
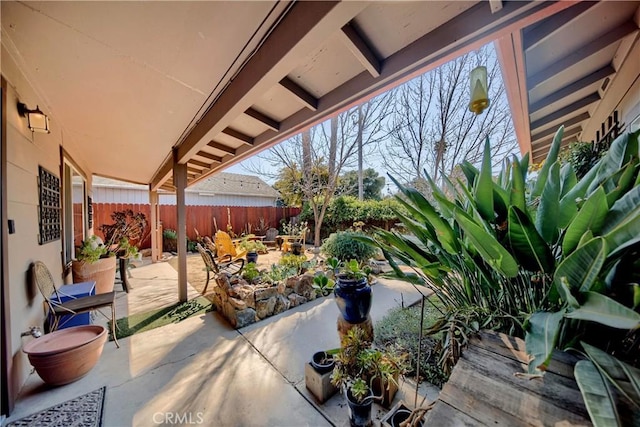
<point x="360" y="413"/>
<point x="252" y="257"/>
<point x="296" y="248"/>
<point x="353" y="298"/>
<point x="322" y="362"/>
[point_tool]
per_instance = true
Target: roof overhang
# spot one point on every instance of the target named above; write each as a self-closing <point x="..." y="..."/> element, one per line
<point x="139" y="86"/>
<point x="573" y="69"/>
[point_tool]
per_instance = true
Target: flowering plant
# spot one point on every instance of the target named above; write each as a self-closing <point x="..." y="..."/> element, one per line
<point x="295" y="229"/>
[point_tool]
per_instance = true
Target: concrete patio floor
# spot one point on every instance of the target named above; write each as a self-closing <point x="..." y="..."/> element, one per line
<point x="207" y="373"/>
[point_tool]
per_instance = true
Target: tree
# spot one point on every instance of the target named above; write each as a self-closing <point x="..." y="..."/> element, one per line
<point x="372" y="184"/>
<point x="432" y="129"/>
<point x="310" y="163"/>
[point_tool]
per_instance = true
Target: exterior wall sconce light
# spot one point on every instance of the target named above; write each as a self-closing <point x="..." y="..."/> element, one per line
<point x="36" y="119"/>
<point x="479" y="90"/>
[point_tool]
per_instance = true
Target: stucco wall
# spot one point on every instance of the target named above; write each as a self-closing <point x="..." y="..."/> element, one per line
<point x="25" y="152"/>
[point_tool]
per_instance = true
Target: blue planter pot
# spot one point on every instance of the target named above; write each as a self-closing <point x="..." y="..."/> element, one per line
<point x="353" y="298"/>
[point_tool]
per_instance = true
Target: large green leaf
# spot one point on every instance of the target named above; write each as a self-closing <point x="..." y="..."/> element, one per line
<point x="517" y="186"/>
<point x="624" y="377"/>
<point x="569" y="202"/>
<point x="590" y="217"/>
<point x="602" y="309"/>
<point x="622" y="149"/>
<point x="487" y="246"/>
<point x="470" y="172"/>
<point x="552" y="157"/>
<point x="528" y="246"/>
<point x="443" y="230"/>
<point x="624" y="182"/>
<point x="582" y="267"/>
<point x="597" y="397"/>
<point x="568" y="179"/>
<point x="541" y="337"/>
<point x="548" y="210"/>
<point x="484" y="187"/>
<point x="622" y="224"/>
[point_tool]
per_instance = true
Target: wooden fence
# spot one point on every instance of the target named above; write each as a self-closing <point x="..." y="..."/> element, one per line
<point x="206" y="219"/>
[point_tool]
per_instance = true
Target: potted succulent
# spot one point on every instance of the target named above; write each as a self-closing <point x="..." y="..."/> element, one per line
<point x="95" y="263"/>
<point x="96" y="260"/>
<point x="352" y="292"/>
<point x="253" y="248"/>
<point x="365" y="374"/>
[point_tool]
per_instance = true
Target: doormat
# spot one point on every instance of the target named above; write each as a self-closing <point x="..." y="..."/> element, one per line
<point x="83" y="411"/>
<point x="163" y="316"/>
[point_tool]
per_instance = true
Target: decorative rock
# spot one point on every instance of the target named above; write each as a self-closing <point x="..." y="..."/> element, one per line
<point x="245" y="293"/>
<point x="296" y="300"/>
<point x="237" y="304"/>
<point x="287" y="292"/>
<point x="262" y="294"/>
<point x="264" y="308"/>
<point x="291" y="282"/>
<point x="245" y="317"/>
<point x="282" y="304"/>
<point x="281" y="287"/>
<point x="223" y="282"/>
<point x="304" y="287"/>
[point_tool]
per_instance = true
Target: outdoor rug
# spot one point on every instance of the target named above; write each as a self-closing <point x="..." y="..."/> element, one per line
<point x="83" y="411"/>
<point x="163" y="316"/>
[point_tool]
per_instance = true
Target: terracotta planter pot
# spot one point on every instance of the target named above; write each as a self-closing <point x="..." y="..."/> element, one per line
<point x="66" y="355"/>
<point x="102" y="271"/>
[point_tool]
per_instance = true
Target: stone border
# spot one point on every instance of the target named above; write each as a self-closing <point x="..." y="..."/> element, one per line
<point x="242" y="303"/>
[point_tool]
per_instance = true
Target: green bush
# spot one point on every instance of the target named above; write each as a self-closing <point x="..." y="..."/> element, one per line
<point x="400" y="329"/>
<point x="550" y="262"/>
<point x="345" y="246"/>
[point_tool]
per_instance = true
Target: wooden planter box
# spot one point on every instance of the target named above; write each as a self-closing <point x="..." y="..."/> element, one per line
<point x="318" y="384"/>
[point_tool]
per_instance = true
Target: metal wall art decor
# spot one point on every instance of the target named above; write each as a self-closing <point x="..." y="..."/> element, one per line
<point x="89" y="212"/>
<point x="49" y="208"/>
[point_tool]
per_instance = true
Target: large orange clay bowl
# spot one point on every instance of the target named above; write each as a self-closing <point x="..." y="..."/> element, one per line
<point x="66" y="355"/>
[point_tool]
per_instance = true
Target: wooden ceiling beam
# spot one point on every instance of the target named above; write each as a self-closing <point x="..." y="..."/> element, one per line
<point x="545" y="144"/>
<point x="572" y="88"/>
<point x="222" y="147"/>
<point x="360" y="49"/>
<point x="246" y="139"/>
<point x="264" y="119"/>
<point x="563" y="112"/>
<point x="537" y="34"/>
<point x="567" y="123"/>
<point x="209" y="156"/>
<point x="199" y="164"/>
<point x="304" y="27"/>
<point x="582" y="53"/>
<point x="301" y="95"/>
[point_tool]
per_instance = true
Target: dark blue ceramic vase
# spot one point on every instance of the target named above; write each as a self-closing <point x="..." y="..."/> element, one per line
<point x="353" y="297"/>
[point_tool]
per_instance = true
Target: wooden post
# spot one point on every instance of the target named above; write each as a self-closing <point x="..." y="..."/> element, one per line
<point x="180" y="181"/>
<point x="156" y="232"/>
<point x="344" y="327"/>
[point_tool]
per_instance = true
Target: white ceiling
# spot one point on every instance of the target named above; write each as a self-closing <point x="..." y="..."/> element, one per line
<point x="220" y="81"/>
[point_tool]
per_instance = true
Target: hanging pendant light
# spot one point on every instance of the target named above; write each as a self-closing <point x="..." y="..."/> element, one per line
<point x="479" y="91"/>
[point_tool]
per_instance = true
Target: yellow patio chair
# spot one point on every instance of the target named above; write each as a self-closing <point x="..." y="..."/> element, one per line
<point x="225" y="247"/>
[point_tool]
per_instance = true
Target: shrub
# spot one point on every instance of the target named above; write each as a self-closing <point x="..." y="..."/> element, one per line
<point x="550" y="262"/>
<point x="345" y="246"/>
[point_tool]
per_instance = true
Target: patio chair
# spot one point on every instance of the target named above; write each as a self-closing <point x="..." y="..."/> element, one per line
<point x="270" y="238"/>
<point x="43" y="279"/>
<point x="225" y="247"/>
<point x="229" y="267"/>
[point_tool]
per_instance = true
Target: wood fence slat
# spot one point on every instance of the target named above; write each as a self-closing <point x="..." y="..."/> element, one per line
<point x="198" y="217"/>
<point x="514" y="348"/>
<point x="552" y="388"/>
<point x="444" y="414"/>
<point x="491" y="399"/>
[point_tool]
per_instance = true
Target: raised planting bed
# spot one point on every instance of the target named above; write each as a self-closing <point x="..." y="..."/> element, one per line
<point x="243" y="303"/>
